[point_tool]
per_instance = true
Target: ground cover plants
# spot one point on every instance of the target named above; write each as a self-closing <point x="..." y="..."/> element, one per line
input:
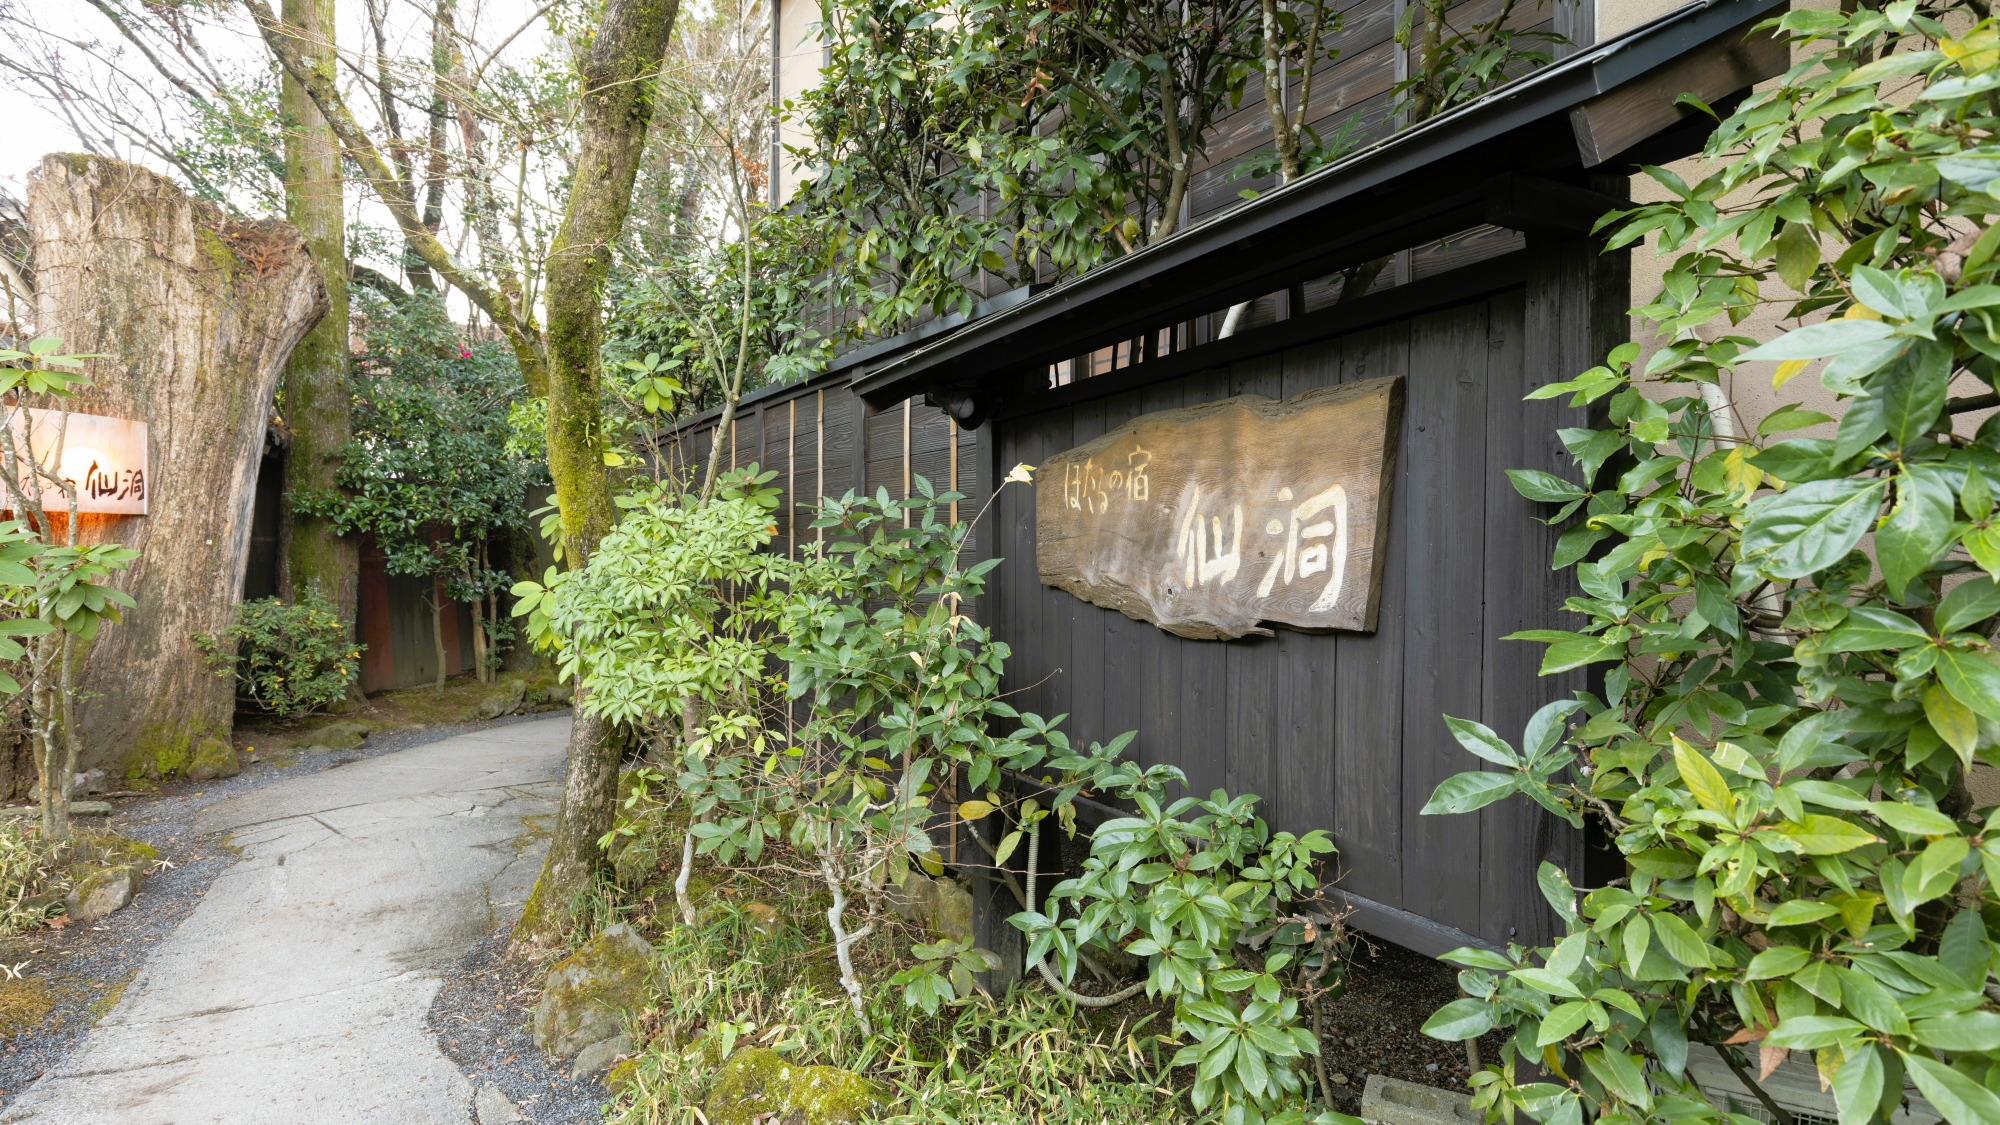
<point x="1790" y="707"/>
<point x="822" y="720"/>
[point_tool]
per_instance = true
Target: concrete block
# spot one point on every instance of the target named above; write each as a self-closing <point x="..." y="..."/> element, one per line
<point x="1391" y="1101"/>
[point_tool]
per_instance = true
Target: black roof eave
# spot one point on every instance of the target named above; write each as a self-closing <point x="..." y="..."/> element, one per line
<point x="1404" y="183"/>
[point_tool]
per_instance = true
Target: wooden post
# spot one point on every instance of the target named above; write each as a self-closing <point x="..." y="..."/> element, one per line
<point x="819" y="461"/>
<point x="792" y="479"/>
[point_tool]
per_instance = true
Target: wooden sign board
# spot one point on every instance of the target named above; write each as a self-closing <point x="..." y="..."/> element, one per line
<point x="105" y="458"/>
<point x="1211" y="519"/>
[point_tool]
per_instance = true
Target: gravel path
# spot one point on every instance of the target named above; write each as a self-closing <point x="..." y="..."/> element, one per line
<point x="481" y="1020"/>
<point x="1374" y="1028"/>
<point x="88" y="967"/>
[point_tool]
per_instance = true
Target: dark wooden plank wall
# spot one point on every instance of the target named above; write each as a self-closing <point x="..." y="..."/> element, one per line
<point x="822" y="441"/>
<point x="1345" y="731"/>
<point x="1355" y="84"/>
<point x="395" y="627"/>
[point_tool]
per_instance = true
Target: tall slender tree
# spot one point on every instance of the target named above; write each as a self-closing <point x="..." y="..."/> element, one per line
<point x="618" y="68"/>
<point x="315" y="389"/>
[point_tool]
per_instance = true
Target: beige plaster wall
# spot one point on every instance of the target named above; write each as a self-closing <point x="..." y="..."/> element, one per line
<point x="1616" y="16"/>
<point x="799" y="61"/>
<point x="1749" y="389"/>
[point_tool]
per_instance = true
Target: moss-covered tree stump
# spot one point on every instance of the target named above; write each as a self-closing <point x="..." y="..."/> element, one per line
<point x="196" y="314"/>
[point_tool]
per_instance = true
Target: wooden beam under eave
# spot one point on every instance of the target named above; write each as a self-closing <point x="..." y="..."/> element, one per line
<point x="1611" y="123"/>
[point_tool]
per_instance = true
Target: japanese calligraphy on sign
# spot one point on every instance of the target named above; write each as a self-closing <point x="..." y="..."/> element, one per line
<point x="104" y="457"/>
<point x="1210" y="520"/>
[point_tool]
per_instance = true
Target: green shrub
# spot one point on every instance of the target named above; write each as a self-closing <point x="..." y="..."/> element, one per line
<point x="1787" y="720"/>
<point x="825" y="704"/>
<point x="288" y="659"/>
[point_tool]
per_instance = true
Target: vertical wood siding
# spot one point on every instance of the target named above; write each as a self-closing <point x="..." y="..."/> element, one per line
<point x="1342" y="731"/>
<point x="1345" y="730"/>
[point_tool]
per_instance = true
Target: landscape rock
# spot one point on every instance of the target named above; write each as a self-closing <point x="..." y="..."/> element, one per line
<point x="99" y="890"/>
<point x="557" y="694"/>
<point x="598" y="1057"/>
<point x="344" y="735"/>
<point x="763" y="917"/>
<point x="491" y="1107"/>
<point x="622" y="1076"/>
<point x="586" y="995"/>
<point x="940" y="904"/>
<point x="86" y="808"/>
<point x="504" y="701"/>
<point x="757" y="1084"/>
<point x="89" y="783"/>
<point x="213" y="759"/>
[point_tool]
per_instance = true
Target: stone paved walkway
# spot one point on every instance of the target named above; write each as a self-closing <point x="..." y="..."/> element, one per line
<point x="295" y="994"/>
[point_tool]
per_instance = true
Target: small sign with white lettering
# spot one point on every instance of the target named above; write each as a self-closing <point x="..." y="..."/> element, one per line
<point x="1208" y="520"/>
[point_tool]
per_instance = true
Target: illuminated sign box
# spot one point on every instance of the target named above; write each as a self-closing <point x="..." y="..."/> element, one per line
<point x="104" y="457"/>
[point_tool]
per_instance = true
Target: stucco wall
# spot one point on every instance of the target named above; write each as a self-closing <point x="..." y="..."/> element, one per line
<point x="800" y="57"/>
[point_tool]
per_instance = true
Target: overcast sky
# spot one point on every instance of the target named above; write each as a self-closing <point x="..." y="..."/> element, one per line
<point x="33" y="130"/>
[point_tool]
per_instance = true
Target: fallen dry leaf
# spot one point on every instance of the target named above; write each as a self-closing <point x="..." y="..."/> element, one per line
<point x="1769" y="1059"/>
<point x="1747" y="1035"/>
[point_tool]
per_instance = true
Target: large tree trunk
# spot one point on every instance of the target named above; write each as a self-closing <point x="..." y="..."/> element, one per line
<point x="315" y="397"/>
<point x="196" y="315"/>
<point x="630" y="45"/>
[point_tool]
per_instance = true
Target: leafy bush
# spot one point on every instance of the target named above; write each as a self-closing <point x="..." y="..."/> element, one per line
<point x="55" y="591"/>
<point x="673" y="626"/>
<point x="430" y="471"/>
<point x="1780" y="752"/>
<point x="288" y="659"/>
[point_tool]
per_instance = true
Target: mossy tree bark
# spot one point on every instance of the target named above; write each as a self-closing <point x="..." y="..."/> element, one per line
<point x="196" y="315"/>
<point x="316" y="394"/>
<point x="617" y="76"/>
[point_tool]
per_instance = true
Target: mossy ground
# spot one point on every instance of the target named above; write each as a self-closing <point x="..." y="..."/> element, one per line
<point x="23" y="1003"/>
<point x="101" y="1007"/>
<point x="407" y="709"/>
<point x="759" y="959"/>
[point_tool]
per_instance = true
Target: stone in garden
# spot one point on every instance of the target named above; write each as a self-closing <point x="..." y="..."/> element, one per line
<point x="1391" y="1101"/>
<point x="587" y="994"/>
<point x="89" y="782"/>
<point x="599" y="1056"/>
<point x="621" y="1077"/>
<point x="87" y="808"/>
<point x="762" y="916"/>
<point x="757" y="1084"/>
<point x="504" y="701"/>
<point x="938" y="904"/>
<point x="213" y="759"/>
<point x="491" y="1107"/>
<point x="344" y="735"/>
<point x="99" y="890"/>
